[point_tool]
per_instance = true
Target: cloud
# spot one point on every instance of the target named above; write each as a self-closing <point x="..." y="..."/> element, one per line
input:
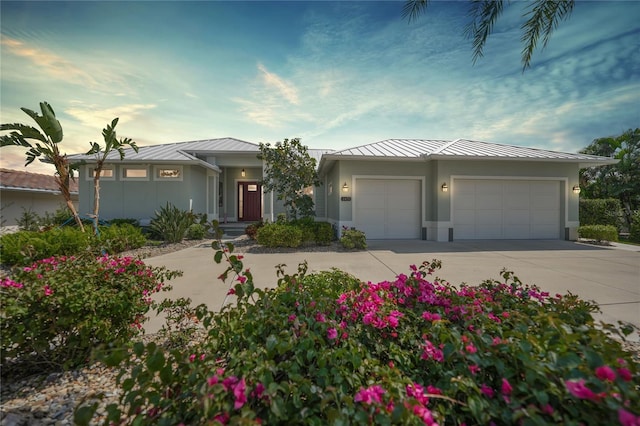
<point x="52" y="64"/>
<point x="95" y="117"/>
<point x="286" y="89"/>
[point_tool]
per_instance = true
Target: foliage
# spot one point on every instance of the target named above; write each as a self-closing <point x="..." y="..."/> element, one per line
<point x="252" y="229"/>
<point x="327" y="349"/>
<point x="600" y="212"/>
<point x="196" y="231"/>
<point x="26" y="247"/>
<point x="543" y="16"/>
<point x="45" y="145"/>
<point x="324" y="233"/>
<point x="57" y="310"/>
<point x="29" y="220"/>
<point x="634" y="234"/>
<point x="120" y="221"/>
<point x="279" y="235"/>
<point x="288" y="170"/>
<point x="598" y="232"/>
<point x="118" y="238"/>
<point x="353" y="238"/>
<point x="62" y="216"/>
<point x="621" y="180"/>
<point x="170" y="223"/>
<point x="111" y="143"/>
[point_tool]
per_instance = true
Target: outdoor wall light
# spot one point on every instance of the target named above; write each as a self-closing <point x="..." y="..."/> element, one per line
<point x="243" y="173"/>
<point x="444" y="187"/>
<point x="345" y="187"/>
<point x="576" y="189"/>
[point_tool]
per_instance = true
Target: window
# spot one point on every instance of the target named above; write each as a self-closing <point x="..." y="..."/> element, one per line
<point x="135" y="173"/>
<point x="167" y="173"/>
<point x="252" y="187"/>
<point x="107" y="173"/>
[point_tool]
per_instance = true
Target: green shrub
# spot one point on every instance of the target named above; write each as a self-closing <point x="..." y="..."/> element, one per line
<point x="327" y="349"/>
<point x="598" y="232"/>
<point x="196" y="231"/>
<point x="29" y="220"/>
<point x="118" y="238"/>
<point x="129" y="221"/>
<point x="25" y="247"/>
<point x="171" y="224"/>
<point x="62" y="216"/>
<point x="634" y="234"/>
<point x="252" y="229"/>
<point x="279" y="235"/>
<point x="353" y="239"/>
<point x="600" y="212"/>
<point x="324" y="234"/>
<point x="57" y="310"/>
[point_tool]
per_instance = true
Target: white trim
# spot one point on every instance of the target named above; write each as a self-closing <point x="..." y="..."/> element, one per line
<point x="124" y="168"/>
<point x="156" y="172"/>
<point x="565" y="198"/>
<point x="438" y="231"/>
<point x="90" y="168"/>
<point x="423" y="197"/>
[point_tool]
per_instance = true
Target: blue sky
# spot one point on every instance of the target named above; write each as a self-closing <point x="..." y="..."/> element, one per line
<point x="336" y="74"/>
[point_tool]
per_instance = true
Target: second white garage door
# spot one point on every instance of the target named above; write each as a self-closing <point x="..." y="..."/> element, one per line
<point x="388" y="208"/>
<point x="506" y="209"/>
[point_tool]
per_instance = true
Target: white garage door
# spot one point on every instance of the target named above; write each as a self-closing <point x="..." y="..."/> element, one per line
<point x="506" y="209"/>
<point x="388" y="208"/>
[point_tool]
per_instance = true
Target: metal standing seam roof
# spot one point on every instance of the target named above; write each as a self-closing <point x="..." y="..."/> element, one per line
<point x="178" y="151"/>
<point x="461" y="148"/>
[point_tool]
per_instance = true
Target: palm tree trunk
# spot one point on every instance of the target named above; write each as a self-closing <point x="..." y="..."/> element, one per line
<point x="96" y="198"/>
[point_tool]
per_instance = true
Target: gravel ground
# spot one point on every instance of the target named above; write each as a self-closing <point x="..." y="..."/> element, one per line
<point x="50" y="399"/>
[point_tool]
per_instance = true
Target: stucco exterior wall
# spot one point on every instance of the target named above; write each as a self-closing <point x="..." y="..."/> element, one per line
<point x="13" y="203"/>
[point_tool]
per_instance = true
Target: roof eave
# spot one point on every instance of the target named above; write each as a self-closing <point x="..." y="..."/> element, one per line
<point x="582" y="162"/>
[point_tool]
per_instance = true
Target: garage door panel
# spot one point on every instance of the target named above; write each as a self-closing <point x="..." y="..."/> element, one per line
<point x="388" y="208"/>
<point x="506" y="209"/>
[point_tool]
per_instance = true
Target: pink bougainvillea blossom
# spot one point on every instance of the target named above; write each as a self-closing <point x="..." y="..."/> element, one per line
<point x="47" y="290"/>
<point x="624" y="374"/>
<point x="429" y="351"/>
<point x="7" y="282"/>
<point x="506" y="387"/>
<point x="578" y="389"/>
<point x="332" y="333"/>
<point x="371" y="395"/>
<point x="628" y="419"/>
<point x="239" y="392"/>
<point x="486" y="390"/>
<point x="606" y="373"/>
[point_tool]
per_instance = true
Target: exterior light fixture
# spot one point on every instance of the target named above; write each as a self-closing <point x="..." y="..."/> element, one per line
<point x="345" y="187"/>
<point x="243" y="173"/>
<point x="576" y="189"/>
<point x="444" y="187"/>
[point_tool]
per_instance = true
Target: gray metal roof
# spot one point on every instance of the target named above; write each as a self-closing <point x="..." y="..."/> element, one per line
<point x="179" y="151"/>
<point x="460" y="149"/>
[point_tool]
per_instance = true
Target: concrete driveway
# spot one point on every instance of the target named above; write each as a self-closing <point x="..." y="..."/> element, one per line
<point x="610" y="276"/>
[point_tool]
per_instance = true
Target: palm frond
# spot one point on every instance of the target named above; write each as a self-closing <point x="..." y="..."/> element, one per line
<point x="543" y="17"/>
<point x="26" y="132"/>
<point x="412" y="9"/>
<point x="484" y="14"/>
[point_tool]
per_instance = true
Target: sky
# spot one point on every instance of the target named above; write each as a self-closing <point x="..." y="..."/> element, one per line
<point x="335" y="74"/>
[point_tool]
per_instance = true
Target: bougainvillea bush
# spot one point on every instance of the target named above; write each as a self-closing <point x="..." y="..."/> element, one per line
<point x="57" y="310"/>
<point x="324" y="348"/>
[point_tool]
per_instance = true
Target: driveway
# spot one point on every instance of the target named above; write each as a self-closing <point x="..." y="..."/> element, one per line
<point x="609" y="276"/>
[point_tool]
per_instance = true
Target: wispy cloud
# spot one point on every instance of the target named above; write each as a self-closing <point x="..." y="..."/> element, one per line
<point x="96" y="117"/>
<point x="286" y="89"/>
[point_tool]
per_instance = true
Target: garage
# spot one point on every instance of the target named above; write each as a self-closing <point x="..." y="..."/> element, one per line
<point x="506" y="209"/>
<point x="388" y="208"/>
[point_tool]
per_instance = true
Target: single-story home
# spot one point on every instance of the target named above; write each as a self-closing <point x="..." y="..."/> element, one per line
<point x="437" y="190"/>
<point x="23" y="191"/>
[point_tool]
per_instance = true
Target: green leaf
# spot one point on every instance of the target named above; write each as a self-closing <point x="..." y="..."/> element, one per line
<point x="155" y="361"/>
<point x="83" y="415"/>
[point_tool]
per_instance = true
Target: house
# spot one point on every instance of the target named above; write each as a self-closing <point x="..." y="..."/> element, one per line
<point x="20" y="191"/>
<point x="394" y="189"/>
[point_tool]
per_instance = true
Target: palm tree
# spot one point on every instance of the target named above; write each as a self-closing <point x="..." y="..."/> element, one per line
<point x="45" y="145"/>
<point x="111" y="143"/>
<point x="543" y="16"/>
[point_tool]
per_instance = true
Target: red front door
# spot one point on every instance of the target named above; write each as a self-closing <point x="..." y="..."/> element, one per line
<point x="249" y="201"/>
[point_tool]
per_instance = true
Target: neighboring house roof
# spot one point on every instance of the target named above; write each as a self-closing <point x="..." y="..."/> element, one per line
<point x="420" y="149"/>
<point x="15" y="180"/>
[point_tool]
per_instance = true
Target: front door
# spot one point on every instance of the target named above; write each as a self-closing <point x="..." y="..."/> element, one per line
<point x="249" y="201"/>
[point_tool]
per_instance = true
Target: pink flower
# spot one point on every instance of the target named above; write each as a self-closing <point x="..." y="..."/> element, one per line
<point x="628" y="419"/>
<point x="332" y="333"/>
<point x="240" y="395"/>
<point x="486" y="390"/>
<point x="292" y="317"/>
<point x="47" y="290"/>
<point x="548" y="409"/>
<point x="212" y="380"/>
<point x="242" y="279"/>
<point x="231" y="291"/>
<point x="258" y="391"/>
<point x="321" y="318"/>
<point x="624" y="374"/>
<point x="192" y="357"/>
<point x="471" y="348"/>
<point x="606" y="373"/>
<point x="371" y="395"/>
<point x="579" y="390"/>
<point x="474" y="369"/>
<point x="506" y="387"/>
